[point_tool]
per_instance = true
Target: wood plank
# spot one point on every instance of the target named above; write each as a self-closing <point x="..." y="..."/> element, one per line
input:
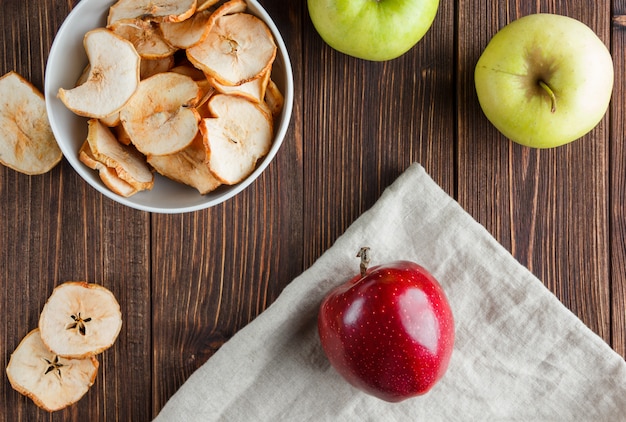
<point x="29" y="215"/>
<point x="617" y="180"/>
<point x="548" y="207"/>
<point x="62" y="239"/>
<point x="214" y="271"/>
<point x="366" y="122"/>
<point x="56" y="228"/>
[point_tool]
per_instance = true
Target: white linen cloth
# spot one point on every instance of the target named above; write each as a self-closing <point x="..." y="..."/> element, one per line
<point x="519" y="354"/>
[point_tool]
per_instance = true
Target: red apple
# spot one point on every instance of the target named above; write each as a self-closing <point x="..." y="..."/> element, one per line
<point x="388" y="331"/>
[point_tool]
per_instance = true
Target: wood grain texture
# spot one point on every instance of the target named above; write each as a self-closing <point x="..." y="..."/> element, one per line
<point x="366" y="122"/>
<point x="617" y="182"/>
<point x="187" y="283"/>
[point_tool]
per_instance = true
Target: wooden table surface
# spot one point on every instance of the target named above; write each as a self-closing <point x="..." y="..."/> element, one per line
<point x="187" y="283"/>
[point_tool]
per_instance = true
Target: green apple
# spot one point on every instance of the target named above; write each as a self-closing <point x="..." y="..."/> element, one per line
<point x="544" y="80"/>
<point x="375" y="30"/>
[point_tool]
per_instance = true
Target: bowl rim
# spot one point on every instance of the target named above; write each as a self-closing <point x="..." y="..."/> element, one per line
<point x="212" y="198"/>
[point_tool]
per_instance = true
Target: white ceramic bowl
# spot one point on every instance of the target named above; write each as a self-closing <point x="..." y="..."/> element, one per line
<point x="67" y="60"/>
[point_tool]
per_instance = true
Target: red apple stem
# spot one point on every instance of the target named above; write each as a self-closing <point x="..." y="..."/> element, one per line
<point x="547" y="88"/>
<point x="364" y="254"/>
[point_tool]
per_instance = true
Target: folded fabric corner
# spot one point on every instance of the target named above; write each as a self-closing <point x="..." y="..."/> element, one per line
<point x="519" y="353"/>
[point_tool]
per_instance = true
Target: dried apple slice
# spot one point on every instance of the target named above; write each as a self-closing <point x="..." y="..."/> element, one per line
<point x="83" y="76"/>
<point x="187" y="166"/>
<point x="238" y="49"/>
<point x="160" y="118"/>
<point x="228" y="8"/>
<point x="146" y="38"/>
<point x="274" y="99"/>
<point x="203" y="5"/>
<point x="51" y="381"/>
<point x="202" y="108"/>
<point x="108" y="175"/>
<point x="80" y="319"/>
<point x="252" y="91"/>
<point x="206" y="88"/>
<point x="113" y="76"/>
<point x="27" y="143"/>
<point x="121" y="135"/>
<point x="111" y="120"/>
<point x="85" y="155"/>
<point x="189" y="70"/>
<point x="194" y="30"/>
<point x="129" y="165"/>
<point x="150" y="67"/>
<point x="162" y="10"/>
<point x="111" y="180"/>
<point x="189" y="32"/>
<point x="236" y="138"/>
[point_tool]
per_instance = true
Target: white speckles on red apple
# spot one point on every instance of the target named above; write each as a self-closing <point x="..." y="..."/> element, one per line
<point x="390" y="332"/>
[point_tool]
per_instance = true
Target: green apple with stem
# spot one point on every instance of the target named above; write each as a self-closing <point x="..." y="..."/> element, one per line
<point x="544" y="80"/>
<point x="376" y="30"/>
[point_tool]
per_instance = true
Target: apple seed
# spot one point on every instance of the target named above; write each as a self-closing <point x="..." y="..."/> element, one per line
<point x="79" y="323"/>
<point x="55" y="365"/>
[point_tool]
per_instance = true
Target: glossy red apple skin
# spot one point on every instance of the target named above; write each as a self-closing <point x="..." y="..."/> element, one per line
<point x="389" y="333"/>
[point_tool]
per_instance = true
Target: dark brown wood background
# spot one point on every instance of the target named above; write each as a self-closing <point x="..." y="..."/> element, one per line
<point x="187" y="283"/>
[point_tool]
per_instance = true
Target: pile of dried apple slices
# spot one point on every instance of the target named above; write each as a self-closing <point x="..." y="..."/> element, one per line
<point x="55" y="364"/>
<point x="181" y="88"/>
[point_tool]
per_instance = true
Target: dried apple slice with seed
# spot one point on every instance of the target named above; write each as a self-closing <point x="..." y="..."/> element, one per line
<point x="236" y="138"/>
<point x="113" y="76"/>
<point x="80" y="319"/>
<point x="27" y="143"/>
<point x="129" y="165"/>
<point x="108" y="175"/>
<point x="162" y="10"/>
<point x="160" y="118"/>
<point x="187" y="166"/>
<point x="145" y="36"/>
<point x="51" y="381"/>
<point x="238" y="49"/>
